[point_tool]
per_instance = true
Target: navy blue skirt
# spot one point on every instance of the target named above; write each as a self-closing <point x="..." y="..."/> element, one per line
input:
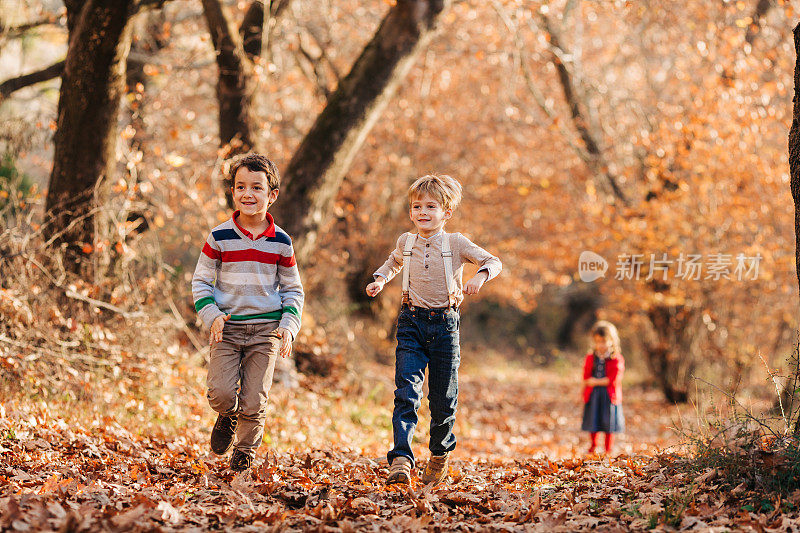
<point x="600" y="415"/>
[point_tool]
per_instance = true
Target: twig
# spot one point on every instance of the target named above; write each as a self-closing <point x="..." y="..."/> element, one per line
<point x="61" y="356"/>
<point x="199" y="346"/>
<point x="732" y="398"/>
<point x="97" y="303"/>
<point x="777" y="391"/>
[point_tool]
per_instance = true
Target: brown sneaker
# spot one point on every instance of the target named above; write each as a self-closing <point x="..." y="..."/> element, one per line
<point x="400" y="471"/>
<point x="436" y="470"/>
<point x="222" y="434"/>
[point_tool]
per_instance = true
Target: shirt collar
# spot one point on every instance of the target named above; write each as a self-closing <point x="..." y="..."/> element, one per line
<point x="269" y="232"/>
<point x="437" y="234"/>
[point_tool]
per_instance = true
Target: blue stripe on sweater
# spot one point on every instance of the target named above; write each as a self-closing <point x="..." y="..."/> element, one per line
<point x="225" y="235"/>
<point x="280" y="237"/>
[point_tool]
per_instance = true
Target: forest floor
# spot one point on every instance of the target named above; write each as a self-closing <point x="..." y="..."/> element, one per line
<point x="520" y="465"/>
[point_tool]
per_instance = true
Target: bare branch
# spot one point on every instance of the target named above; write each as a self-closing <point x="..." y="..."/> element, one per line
<point x="259" y="24"/>
<point x="540" y="99"/>
<point x="13" y="32"/>
<point x="597" y="162"/>
<point x="754" y="28"/>
<point x="14" y="84"/>
<point x="317" y="73"/>
<point x="324" y="54"/>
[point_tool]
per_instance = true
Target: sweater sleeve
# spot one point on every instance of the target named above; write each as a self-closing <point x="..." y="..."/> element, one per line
<point x="615" y="371"/>
<point x="394" y="263"/>
<point x="472" y="253"/>
<point x="203" y="281"/>
<point x="588" y="363"/>
<point x="291" y="292"/>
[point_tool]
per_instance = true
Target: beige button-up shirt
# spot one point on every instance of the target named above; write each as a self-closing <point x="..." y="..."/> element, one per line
<point x="427" y="285"/>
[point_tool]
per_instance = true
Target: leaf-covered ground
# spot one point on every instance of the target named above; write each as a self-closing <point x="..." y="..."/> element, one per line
<point x="519" y="466"/>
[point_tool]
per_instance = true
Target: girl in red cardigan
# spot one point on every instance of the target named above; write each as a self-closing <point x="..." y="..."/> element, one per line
<point x="602" y="392"/>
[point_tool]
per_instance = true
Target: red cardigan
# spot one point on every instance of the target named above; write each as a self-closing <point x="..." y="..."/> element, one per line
<point x="615" y="367"/>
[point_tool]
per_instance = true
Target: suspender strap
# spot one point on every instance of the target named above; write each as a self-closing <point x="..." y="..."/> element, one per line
<point x="412" y="238"/>
<point x="447" y="259"/>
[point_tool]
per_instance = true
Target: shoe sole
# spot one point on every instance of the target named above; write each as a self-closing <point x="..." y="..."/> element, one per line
<point x="222" y="452"/>
<point x="398" y="479"/>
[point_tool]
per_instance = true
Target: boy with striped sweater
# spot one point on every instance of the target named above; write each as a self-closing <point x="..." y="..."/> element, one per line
<point x="247" y="290"/>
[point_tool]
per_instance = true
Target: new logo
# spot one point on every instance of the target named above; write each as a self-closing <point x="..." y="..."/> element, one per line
<point x="591" y="266"/>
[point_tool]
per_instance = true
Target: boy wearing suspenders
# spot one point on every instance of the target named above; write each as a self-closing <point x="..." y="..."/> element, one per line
<point x="427" y="328"/>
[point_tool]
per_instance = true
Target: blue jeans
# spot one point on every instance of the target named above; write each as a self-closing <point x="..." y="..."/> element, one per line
<point x="425" y="338"/>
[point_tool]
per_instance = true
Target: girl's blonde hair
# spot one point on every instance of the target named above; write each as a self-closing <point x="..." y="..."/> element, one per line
<point x="442" y="188"/>
<point x="608" y="331"/>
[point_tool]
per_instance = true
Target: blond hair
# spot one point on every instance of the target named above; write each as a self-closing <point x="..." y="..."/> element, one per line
<point x="608" y="331"/>
<point x="442" y="188"/>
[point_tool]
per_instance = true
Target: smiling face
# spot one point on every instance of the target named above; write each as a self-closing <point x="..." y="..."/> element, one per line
<point x="251" y="193"/>
<point x="428" y="215"/>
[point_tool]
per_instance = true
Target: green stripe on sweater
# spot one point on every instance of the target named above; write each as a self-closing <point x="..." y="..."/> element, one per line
<point x="272" y="315"/>
<point x="290" y="309"/>
<point x="202" y="302"/>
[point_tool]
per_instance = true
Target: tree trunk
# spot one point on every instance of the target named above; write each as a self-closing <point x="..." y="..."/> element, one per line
<point x="235" y="85"/>
<point x="91" y="87"/>
<point x="317" y="168"/>
<point x="672" y="348"/>
<point x="794" y="166"/>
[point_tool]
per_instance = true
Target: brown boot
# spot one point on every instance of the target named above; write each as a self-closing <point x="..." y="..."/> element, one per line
<point x="400" y="471"/>
<point x="436" y="470"/>
<point x="222" y="434"/>
<point x="240" y="461"/>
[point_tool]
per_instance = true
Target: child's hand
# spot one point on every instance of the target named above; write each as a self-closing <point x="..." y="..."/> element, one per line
<point x="475" y="284"/>
<point x="375" y="287"/>
<point x="216" y="328"/>
<point x="286" y="341"/>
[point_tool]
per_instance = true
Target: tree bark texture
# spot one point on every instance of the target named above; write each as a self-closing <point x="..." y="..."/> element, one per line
<point x="236" y="84"/>
<point x="794" y="172"/>
<point x="91" y="87"/>
<point x="794" y="151"/>
<point x="317" y="168"/>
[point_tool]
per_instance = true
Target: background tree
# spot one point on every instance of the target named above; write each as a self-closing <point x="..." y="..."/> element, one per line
<point x="91" y="87"/>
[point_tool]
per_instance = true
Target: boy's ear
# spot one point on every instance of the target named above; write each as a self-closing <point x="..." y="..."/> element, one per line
<point x="273" y="195"/>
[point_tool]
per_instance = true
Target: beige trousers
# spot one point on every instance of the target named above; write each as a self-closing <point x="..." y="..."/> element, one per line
<point x="239" y="377"/>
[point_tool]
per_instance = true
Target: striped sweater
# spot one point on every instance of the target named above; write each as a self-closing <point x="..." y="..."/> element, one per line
<point x="254" y="279"/>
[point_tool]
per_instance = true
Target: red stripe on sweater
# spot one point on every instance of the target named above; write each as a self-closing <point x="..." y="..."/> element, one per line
<point x="212" y="253"/>
<point x="257" y="256"/>
<point x="287" y="261"/>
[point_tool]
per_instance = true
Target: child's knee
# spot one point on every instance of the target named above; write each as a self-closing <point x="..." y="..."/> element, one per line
<point x="221" y="400"/>
<point x="408" y="391"/>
